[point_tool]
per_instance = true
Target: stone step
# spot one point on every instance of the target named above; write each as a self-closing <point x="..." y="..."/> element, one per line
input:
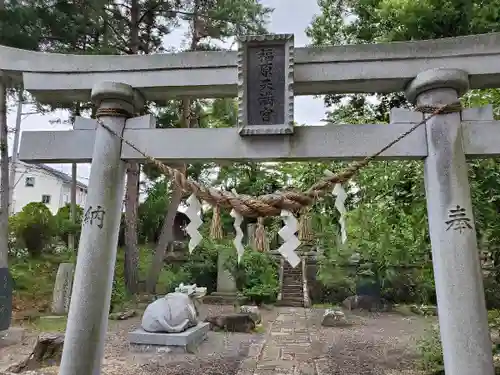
<point x="293" y="286"/>
<point x="292" y="294"/>
<point x="292" y="297"/>
<point x="292" y="279"/>
<point x="291" y="303"/>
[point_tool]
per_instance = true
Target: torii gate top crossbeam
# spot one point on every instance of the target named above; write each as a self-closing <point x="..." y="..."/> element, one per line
<point x="318" y="70"/>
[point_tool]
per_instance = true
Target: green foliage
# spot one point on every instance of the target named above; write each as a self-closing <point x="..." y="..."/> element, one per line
<point x="64" y="224"/>
<point x="201" y="266"/>
<point x="34" y="277"/>
<point x="152" y="211"/>
<point x="431" y="352"/>
<point x="34" y="227"/>
<point x="391" y="194"/>
<point x="256" y="275"/>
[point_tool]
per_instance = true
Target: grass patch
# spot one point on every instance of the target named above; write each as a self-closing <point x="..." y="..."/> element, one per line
<point x="50" y="324"/>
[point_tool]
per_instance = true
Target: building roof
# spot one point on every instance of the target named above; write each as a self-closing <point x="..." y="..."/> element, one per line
<point x="61" y="175"/>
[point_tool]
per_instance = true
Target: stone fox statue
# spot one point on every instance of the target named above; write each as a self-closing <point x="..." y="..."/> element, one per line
<point x="174" y="313"/>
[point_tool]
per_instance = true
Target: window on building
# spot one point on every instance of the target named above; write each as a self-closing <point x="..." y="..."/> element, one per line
<point x="45" y="199"/>
<point x="29" y="182"/>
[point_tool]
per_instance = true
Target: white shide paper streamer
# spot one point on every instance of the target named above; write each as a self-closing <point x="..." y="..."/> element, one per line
<point x="287" y="249"/>
<point x="341" y="195"/>
<point x="238" y="219"/>
<point x="192" y="212"/>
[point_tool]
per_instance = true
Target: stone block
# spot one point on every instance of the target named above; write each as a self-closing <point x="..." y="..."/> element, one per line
<point x="187" y="341"/>
<point x="334" y="318"/>
<point x="238" y="322"/>
<point x="253" y="311"/>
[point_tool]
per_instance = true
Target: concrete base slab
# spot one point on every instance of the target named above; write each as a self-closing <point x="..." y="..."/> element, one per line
<point x="12" y="336"/>
<point x="187" y="341"/>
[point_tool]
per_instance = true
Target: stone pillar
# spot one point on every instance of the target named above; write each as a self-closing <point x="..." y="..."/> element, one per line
<point x="463" y="318"/>
<point x="90" y="300"/>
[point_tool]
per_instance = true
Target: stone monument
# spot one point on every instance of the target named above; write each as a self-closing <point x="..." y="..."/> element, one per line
<point x="62" y="289"/>
<point x="226" y="285"/>
<point x="171" y="323"/>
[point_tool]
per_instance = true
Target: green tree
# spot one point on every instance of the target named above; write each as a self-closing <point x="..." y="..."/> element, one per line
<point x="65" y="225"/>
<point x="208" y="21"/>
<point x="390" y="190"/>
<point x="34" y="227"/>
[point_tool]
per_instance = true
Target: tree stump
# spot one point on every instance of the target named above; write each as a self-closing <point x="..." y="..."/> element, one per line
<point x="46" y="352"/>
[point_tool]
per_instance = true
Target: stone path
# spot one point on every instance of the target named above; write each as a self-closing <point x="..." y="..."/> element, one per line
<point x="296" y="344"/>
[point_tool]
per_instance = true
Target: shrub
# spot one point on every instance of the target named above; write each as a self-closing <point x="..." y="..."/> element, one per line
<point x="65" y="226"/>
<point x="201" y="266"/>
<point x="431" y="352"/>
<point x="492" y="291"/>
<point x="34" y="227"/>
<point x="256" y="276"/>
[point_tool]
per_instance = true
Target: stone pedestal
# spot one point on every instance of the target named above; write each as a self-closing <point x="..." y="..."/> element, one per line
<point x="183" y="342"/>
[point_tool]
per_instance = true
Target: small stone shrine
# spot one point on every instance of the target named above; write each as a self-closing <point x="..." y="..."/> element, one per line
<point x="171" y="323"/>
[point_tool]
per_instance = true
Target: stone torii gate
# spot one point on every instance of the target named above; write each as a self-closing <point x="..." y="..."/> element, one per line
<point x="118" y="86"/>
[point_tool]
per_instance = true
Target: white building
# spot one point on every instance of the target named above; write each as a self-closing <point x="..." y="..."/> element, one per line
<point x="41" y="183"/>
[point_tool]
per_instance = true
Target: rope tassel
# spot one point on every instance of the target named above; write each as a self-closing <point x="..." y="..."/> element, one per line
<point x="261" y="243"/>
<point x="305" y="227"/>
<point x="216" y="226"/>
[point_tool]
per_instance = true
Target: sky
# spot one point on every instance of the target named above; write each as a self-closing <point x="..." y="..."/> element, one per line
<point x="290" y="16"/>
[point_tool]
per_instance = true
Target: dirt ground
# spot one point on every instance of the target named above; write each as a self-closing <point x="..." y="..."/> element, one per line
<point x="292" y="342"/>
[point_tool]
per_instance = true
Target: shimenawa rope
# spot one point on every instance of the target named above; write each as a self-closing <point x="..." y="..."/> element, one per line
<point x="269" y="204"/>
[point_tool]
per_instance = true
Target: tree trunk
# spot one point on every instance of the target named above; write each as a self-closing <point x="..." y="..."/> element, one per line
<point x="71" y="238"/>
<point x="46" y="352"/>
<point x="74" y="171"/>
<point x="15" y="150"/>
<point x="131" y="242"/>
<point x="167" y="229"/>
<point x="166" y="237"/>
<point x="166" y="234"/>
<point x="133" y="179"/>
<point x="4" y="179"/>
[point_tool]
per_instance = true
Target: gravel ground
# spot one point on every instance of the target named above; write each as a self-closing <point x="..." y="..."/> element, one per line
<point x="373" y="346"/>
<point x="381" y="345"/>
<point x="221" y="353"/>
